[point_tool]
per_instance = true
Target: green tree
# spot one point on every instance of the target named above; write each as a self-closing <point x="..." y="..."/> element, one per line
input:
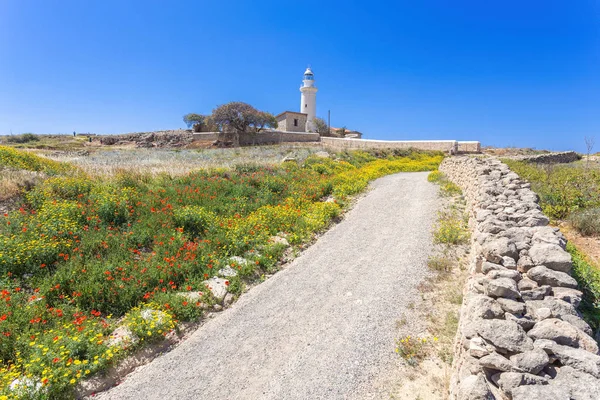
<point x="321" y="126"/>
<point x="241" y="118"/>
<point x="197" y="121"/>
<point x="263" y="120"/>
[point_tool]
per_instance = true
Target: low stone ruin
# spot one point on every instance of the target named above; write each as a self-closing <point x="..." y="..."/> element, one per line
<point x="520" y="335"/>
<point x="161" y="139"/>
<point x="550" y="158"/>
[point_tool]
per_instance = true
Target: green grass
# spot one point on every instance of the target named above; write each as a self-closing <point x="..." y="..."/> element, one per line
<point x="588" y="277"/>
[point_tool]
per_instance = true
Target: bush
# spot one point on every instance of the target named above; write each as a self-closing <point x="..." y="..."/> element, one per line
<point x="587" y="221"/>
<point x="563" y="189"/>
<point x="24" y="138"/>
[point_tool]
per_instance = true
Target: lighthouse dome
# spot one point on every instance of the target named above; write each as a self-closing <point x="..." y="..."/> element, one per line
<point x="308" y="74"/>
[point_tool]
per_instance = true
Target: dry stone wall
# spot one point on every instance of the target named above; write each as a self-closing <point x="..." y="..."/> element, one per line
<point x="551" y="158"/>
<point x="520" y="335"/>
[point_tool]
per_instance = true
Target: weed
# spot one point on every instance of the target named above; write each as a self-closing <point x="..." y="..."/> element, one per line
<point x="451" y="229"/>
<point x="414" y="349"/>
<point x="447" y="187"/>
<point x="440" y="263"/>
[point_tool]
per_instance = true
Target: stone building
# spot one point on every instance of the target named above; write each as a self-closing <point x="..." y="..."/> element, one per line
<point x="290" y="121"/>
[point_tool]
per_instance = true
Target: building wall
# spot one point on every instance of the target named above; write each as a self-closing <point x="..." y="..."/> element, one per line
<point x="287" y="123"/>
<point x="355" y="144"/>
<point x="282" y="125"/>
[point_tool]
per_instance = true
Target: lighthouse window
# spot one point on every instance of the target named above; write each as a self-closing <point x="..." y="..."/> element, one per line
<point x="295" y="121"/>
<point x="306" y="105"/>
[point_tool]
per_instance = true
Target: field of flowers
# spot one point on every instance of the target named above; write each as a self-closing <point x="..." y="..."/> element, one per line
<point x="85" y="256"/>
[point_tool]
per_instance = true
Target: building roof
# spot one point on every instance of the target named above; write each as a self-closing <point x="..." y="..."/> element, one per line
<point x="289" y="112"/>
<point x="308" y="71"/>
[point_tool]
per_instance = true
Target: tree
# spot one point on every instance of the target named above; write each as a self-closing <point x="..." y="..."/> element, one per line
<point x="263" y="120"/>
<point x="341" y="132"/>
<point x="590" y="141"/>
<point x="235" y="115"/>
<point x="242" y="118"/>
<point x="194" y="120"/>
<point x="321" y="126"/>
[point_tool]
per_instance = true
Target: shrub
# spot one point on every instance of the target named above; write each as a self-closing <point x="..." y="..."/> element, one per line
<point x="24" y="138"/>
<point x="586" y="221"/>
<point x="563" y="189"/>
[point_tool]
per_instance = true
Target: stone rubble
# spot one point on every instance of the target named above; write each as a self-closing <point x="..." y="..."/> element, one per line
<point x="520" y="334"/>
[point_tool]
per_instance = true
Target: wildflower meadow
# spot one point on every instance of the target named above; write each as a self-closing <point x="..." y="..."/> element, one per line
<point x="85" y="255"/>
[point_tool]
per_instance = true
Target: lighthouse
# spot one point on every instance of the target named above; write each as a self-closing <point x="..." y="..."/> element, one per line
<point x="308" y="99"/>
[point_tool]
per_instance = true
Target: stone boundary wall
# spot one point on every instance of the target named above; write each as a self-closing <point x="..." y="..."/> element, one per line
<point x="272" y="137"/>
<point x="550" y="158"/>
<point x="206" y="135"/>
<point x="520" y="335"/>
<point x="469" y="147"/>
<point x="265" y="137"/>
<point x="449" y="146"/>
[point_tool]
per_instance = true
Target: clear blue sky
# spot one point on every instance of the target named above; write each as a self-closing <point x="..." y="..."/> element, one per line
<point x="507" y="73"/>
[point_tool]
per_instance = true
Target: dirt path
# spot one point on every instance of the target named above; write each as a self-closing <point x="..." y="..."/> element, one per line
<point x="323" y="328"/>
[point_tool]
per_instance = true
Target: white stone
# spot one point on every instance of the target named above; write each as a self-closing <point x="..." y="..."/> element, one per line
<point x="217" y="286"/>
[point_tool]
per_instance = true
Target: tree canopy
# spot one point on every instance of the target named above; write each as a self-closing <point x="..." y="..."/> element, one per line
<point x="242" y="117"/>
<point x="194" y="120"/>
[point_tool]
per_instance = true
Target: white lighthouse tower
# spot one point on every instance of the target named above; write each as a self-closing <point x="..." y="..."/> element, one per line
<point x="308" y="99"/>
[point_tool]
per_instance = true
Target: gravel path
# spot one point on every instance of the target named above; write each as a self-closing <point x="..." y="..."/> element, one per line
<point x="323" y="328"/>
